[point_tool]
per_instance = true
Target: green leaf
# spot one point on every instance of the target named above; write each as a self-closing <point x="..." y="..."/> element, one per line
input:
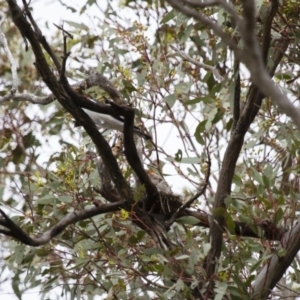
<point x="128" y="86"/>
<point x="188" y="220"/>
<point x="278" y="216"/>
<point x="269" y="171"/>
<point x="186" y="34"/>
<point x="210" y="81"/>
<point x="250" y="144"/>
<point x="237" y="180"/>
<point x="182" y="87"/>
<point x="191" y="160"/>
<point x="266" y="181"/>
<point x="229" y="124"/>
<point x="230" y="224"/>
<point x="281" y="200"/>
<point x="77" y="25"/>
<point x="169" y="16"/>
<point x="16" y="285"/>
<point x="211" y="117"/>
<point x="170" y="99"/>
<point x="198" y="132"/>
<point x="47" y="199"/>
<point x="258" y="4"/>
<point x="265" y="201"/>
<point x="281" y="252"/>
<point x="66" y="199"/>
<point x="18" y="154"/>
<point x="1" y="192"/>
<point x="220" y="290"/>
<point x="257" y="176"/>
<point x="218" y="116"/>
<point x="179" y="286"/>
<point x="221" y="17"/>
<point x="30" y="140"/>
<point x="206" y="100"/>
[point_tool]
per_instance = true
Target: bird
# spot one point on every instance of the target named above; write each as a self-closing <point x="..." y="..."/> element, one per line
<point x="159" y="181"/>
<point x="112" y="122"/>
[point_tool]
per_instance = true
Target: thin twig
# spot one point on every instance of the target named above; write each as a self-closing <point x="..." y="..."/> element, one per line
<point x="40" y="36"/>
<point x="65" y="32"/>
<point x="190" y="201"/>
<point x="199" y="64"/>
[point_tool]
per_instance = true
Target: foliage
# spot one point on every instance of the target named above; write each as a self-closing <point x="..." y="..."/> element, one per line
<point x="182" y="80"/>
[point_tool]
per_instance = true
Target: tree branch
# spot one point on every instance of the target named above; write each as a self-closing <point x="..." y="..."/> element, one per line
<point x="191" y="200"/>
<point x="267" y="27"/>
<point x="237" y="94"/>
<point x="16" y="232"/>
<point x="93" y="79"/>
<point x="275" y="268"/>
<point x="67" y="101"/>
<point x="198" y="64"/>
<point x="205" y="21"/>
<point x="41" y="37"/>
<point x="242" y="229"/>
<point x="132" y="154"/>
<point x="28" y="97"/>
<point x="261" y="230"/>
<point x="252" y="57"/>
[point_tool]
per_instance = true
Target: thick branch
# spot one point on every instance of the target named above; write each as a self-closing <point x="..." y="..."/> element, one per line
<point x="278" y="264"/>
<point x="252" y="57"/>
<point x="40" y="36"/>
<point x="67" y="102"/>
<point x="28" y="97"/>
<point x="267" y="26"/>
<point x="205" y="21"/>
<point x="263" y="230"/>
<point x="226" y="5"/>
<point x="106" y="187"/>
<point x="237" y="94"/>
<point x="132" y="154"/>
<point x="266" y="230"/>
<point x="16" y="232"/>
<point x="93" y="79"/>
